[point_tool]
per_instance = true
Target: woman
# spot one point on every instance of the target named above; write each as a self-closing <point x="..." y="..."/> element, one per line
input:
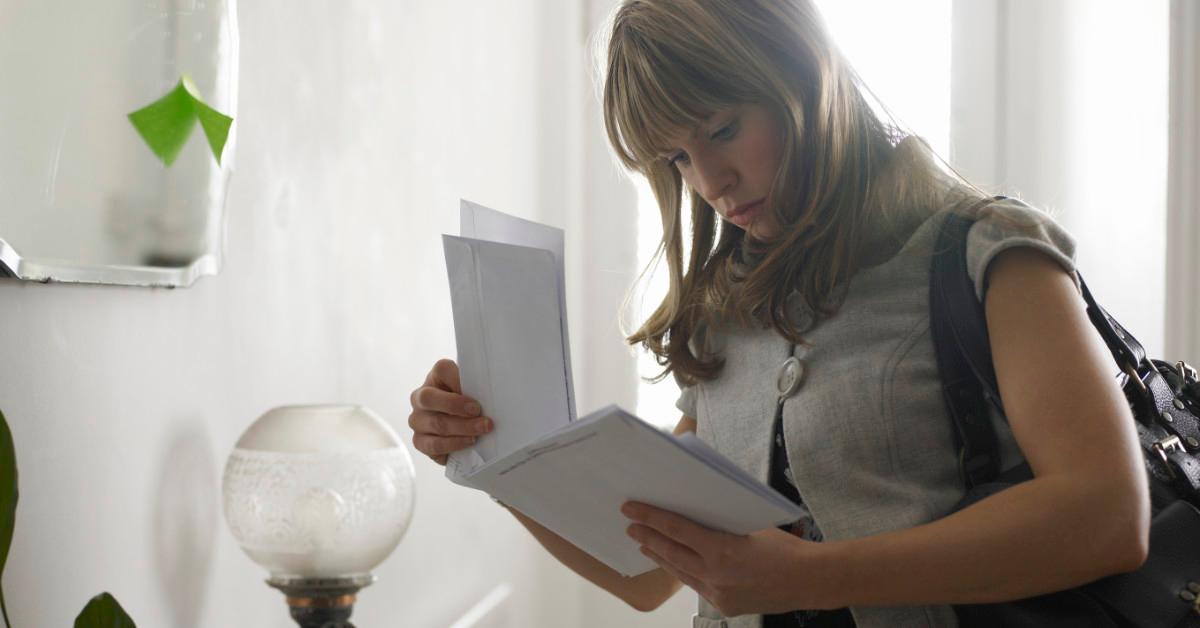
<point x="798" y="326"/>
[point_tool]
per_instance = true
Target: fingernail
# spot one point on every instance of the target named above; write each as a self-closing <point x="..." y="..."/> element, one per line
<point x="473" y="408"/>
<point x="483" y="425"/>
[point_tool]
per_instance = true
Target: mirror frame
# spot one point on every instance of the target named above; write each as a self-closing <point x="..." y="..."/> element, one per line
<point x="29" y="267"/>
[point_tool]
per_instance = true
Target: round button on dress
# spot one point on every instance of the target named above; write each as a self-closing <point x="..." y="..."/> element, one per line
<point x="791" y="376"/>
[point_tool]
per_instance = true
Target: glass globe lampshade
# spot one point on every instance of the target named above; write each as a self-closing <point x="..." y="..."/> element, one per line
<point x="319" y="496"/>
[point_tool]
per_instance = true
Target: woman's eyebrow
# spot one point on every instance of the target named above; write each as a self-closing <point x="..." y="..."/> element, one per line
<point x="697" y="130"/>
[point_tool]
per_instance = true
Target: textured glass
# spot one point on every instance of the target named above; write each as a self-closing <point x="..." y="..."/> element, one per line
<point x="315" y="514"/>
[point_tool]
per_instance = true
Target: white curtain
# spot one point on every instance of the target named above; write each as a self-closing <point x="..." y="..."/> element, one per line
<point x="1183" y="201"/>
<point x="1065" y="104"/>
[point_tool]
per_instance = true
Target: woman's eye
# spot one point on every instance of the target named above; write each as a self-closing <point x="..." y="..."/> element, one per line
<point x="680" y="159"/>
<point x="726" y="132"/>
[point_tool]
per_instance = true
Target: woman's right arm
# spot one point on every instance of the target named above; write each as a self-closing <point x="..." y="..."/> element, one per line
<point x="444" y="421"/>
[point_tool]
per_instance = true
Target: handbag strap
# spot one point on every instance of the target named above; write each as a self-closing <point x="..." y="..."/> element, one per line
<point x="963" y="350"/>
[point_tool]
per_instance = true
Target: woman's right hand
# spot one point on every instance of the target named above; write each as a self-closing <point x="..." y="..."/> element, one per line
<point x="443" y="420"/>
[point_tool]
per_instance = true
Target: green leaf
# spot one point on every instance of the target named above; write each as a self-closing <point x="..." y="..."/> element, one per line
<point x="216" y="127"/>
<point x="8" y="490"/>
<point x="166" y="123"/>
<point x="103" y="611"/>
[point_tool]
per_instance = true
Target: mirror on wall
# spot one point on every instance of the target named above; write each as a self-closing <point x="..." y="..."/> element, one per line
<point x="116" y="138"/>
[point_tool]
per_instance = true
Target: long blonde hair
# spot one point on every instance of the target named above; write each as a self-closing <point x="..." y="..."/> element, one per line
<point x="671" y="64"/>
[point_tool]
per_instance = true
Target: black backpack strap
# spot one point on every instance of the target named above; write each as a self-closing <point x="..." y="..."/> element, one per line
<point x="964" y="356"/>
<point x="1126" y="350"/>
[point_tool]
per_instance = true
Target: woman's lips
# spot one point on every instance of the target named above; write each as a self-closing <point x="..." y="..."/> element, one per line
<point x="744" y="217"/>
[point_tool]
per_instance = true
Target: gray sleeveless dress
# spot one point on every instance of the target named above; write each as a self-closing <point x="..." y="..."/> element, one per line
<point x="869" y="442"/>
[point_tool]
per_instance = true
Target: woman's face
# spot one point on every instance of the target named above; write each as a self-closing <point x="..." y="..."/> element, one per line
<point x="731" y="160"/>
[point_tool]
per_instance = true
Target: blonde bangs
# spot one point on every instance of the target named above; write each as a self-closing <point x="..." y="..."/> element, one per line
<point x="660" y="83"/>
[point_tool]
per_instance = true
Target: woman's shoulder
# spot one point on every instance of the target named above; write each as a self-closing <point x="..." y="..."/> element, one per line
<point x="998" y="225"/>
<point x="1010" y="223"/>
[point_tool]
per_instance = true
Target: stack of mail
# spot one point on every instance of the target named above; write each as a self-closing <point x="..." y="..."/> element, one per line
<point x="508" y="294"/>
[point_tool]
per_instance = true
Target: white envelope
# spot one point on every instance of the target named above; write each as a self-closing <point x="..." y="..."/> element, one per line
<point x="481" y="223"/>
<point x="575" y="480"/>
<point x="512" y="363"/>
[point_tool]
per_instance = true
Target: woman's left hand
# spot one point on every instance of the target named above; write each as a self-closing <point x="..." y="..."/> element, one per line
<point x="769" y="571"/>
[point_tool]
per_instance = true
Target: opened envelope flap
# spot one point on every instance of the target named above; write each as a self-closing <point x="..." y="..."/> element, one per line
<point x="514" y="365"/>
<point x="468" y="332"/>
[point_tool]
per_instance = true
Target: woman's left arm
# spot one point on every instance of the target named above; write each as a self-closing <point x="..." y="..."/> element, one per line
<point x="1085" y="514"/>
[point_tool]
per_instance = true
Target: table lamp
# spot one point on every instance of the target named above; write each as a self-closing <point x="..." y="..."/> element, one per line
<point x="319" y="495"/>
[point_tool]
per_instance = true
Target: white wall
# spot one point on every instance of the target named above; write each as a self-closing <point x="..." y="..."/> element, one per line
<point x="360" y="125"/>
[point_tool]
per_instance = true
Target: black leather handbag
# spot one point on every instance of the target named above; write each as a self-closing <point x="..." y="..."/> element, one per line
<point x="1165" y="399"/>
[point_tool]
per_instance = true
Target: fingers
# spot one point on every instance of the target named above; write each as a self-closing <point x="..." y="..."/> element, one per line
<point x="444" y="375"/>
<point x="680" y="556"/>
<point x="442" y="424"/>
<point x="670" y="525"/>
<point x="438" y="400"/>
<point x="436" y="433"/>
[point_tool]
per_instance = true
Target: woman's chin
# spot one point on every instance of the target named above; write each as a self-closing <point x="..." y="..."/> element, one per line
<point x="761" y="230"/>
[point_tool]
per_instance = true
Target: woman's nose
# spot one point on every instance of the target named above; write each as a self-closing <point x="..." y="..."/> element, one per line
<point x="713" y="178"/>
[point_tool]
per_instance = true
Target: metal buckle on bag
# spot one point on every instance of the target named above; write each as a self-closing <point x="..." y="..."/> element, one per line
<point x="1133" y="375"/>
<point x="1187" y="371"/>
<point x="1166" y="445"/>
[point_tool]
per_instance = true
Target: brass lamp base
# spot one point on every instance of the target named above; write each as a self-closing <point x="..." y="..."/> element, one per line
<point x="321" y="602"/>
